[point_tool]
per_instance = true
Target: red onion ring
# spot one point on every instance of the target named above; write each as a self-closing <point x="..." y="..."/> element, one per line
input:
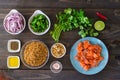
<point x="14" y="23"/>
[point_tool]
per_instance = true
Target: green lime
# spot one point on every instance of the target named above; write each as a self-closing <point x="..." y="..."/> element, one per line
<point x="99" y="25"/>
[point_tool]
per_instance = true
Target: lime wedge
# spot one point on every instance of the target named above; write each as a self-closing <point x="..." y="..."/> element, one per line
<point x="99" y="25"/>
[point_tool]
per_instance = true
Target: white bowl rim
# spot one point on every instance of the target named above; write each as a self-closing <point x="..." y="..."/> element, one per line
<point x="21" y="55"/>
<point x="11" y="12"/>
<point x="60" y="44"/>
<point x="36" y="12"/>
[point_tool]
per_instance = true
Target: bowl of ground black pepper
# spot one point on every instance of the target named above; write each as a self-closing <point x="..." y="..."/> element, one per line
<point x="13" y="45"/>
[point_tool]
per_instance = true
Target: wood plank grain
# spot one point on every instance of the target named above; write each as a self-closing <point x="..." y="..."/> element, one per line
<point x="110" y="36"/>
<point x="71" y="75"/>
<point x="114" y="63"/>
<point x="60" y="3"/>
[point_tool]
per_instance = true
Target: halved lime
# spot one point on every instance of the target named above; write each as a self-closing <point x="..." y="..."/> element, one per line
<point x="99" y="25"/>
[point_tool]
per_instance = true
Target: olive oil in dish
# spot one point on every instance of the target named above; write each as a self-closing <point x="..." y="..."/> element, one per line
<point x="13" y="62"/>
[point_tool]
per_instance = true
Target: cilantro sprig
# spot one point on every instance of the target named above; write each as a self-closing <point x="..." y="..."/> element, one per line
<point x="71" y="19"/>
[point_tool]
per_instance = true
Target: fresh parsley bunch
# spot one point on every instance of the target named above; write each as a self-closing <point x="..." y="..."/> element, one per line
<point x="72" y="19"/>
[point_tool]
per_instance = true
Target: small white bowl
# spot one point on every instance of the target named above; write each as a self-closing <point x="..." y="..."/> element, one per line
<point x="11" y="12"/>
<point x="30" y="19"/>
<point x="11" y="67"/>
<point x="9" y="45"/>
<point x="62" y="54"/>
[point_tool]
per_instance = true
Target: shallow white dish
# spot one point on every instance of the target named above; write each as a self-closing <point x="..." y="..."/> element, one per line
<point x="11" y="12"/>
<point x="8" y="59"/>
<point x="9" y="45"/>
<point x="30" y="19"/>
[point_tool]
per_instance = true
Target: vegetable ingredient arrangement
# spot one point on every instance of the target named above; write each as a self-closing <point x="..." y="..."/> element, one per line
<point x="72" y="19"/>
<point x="88" y="55"/>
<point x="39" y="23"/>
<point x="36" y="53"/>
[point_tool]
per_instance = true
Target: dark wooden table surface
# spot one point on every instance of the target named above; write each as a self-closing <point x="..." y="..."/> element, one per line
<point x="110" y="36"/>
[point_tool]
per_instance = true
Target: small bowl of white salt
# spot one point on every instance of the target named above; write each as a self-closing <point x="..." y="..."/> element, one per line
<point x="56" y="67"/>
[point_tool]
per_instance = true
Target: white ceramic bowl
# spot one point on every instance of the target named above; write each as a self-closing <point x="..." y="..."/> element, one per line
<point x="22" y="57"/>
<point x="30" y="19"/>
<point x="11" y="12"/>
<point x="62" y="54"/>
<point x="11" y="67"/>
<point x="9" y="45"/>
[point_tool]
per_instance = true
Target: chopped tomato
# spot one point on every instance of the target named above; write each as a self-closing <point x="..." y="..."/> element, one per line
<point x="88" y="55"/>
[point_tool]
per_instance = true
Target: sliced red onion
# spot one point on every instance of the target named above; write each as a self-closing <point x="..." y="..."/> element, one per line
<point x="14" y="23"/>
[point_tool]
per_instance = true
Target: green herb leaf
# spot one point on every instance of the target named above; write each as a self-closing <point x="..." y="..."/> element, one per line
<point x="72" y="19"/>
<point x="39" y="23"/>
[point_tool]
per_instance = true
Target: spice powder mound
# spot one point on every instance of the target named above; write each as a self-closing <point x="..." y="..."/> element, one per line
<point x="35" y="53"/>
<point x="14" y="45"/>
